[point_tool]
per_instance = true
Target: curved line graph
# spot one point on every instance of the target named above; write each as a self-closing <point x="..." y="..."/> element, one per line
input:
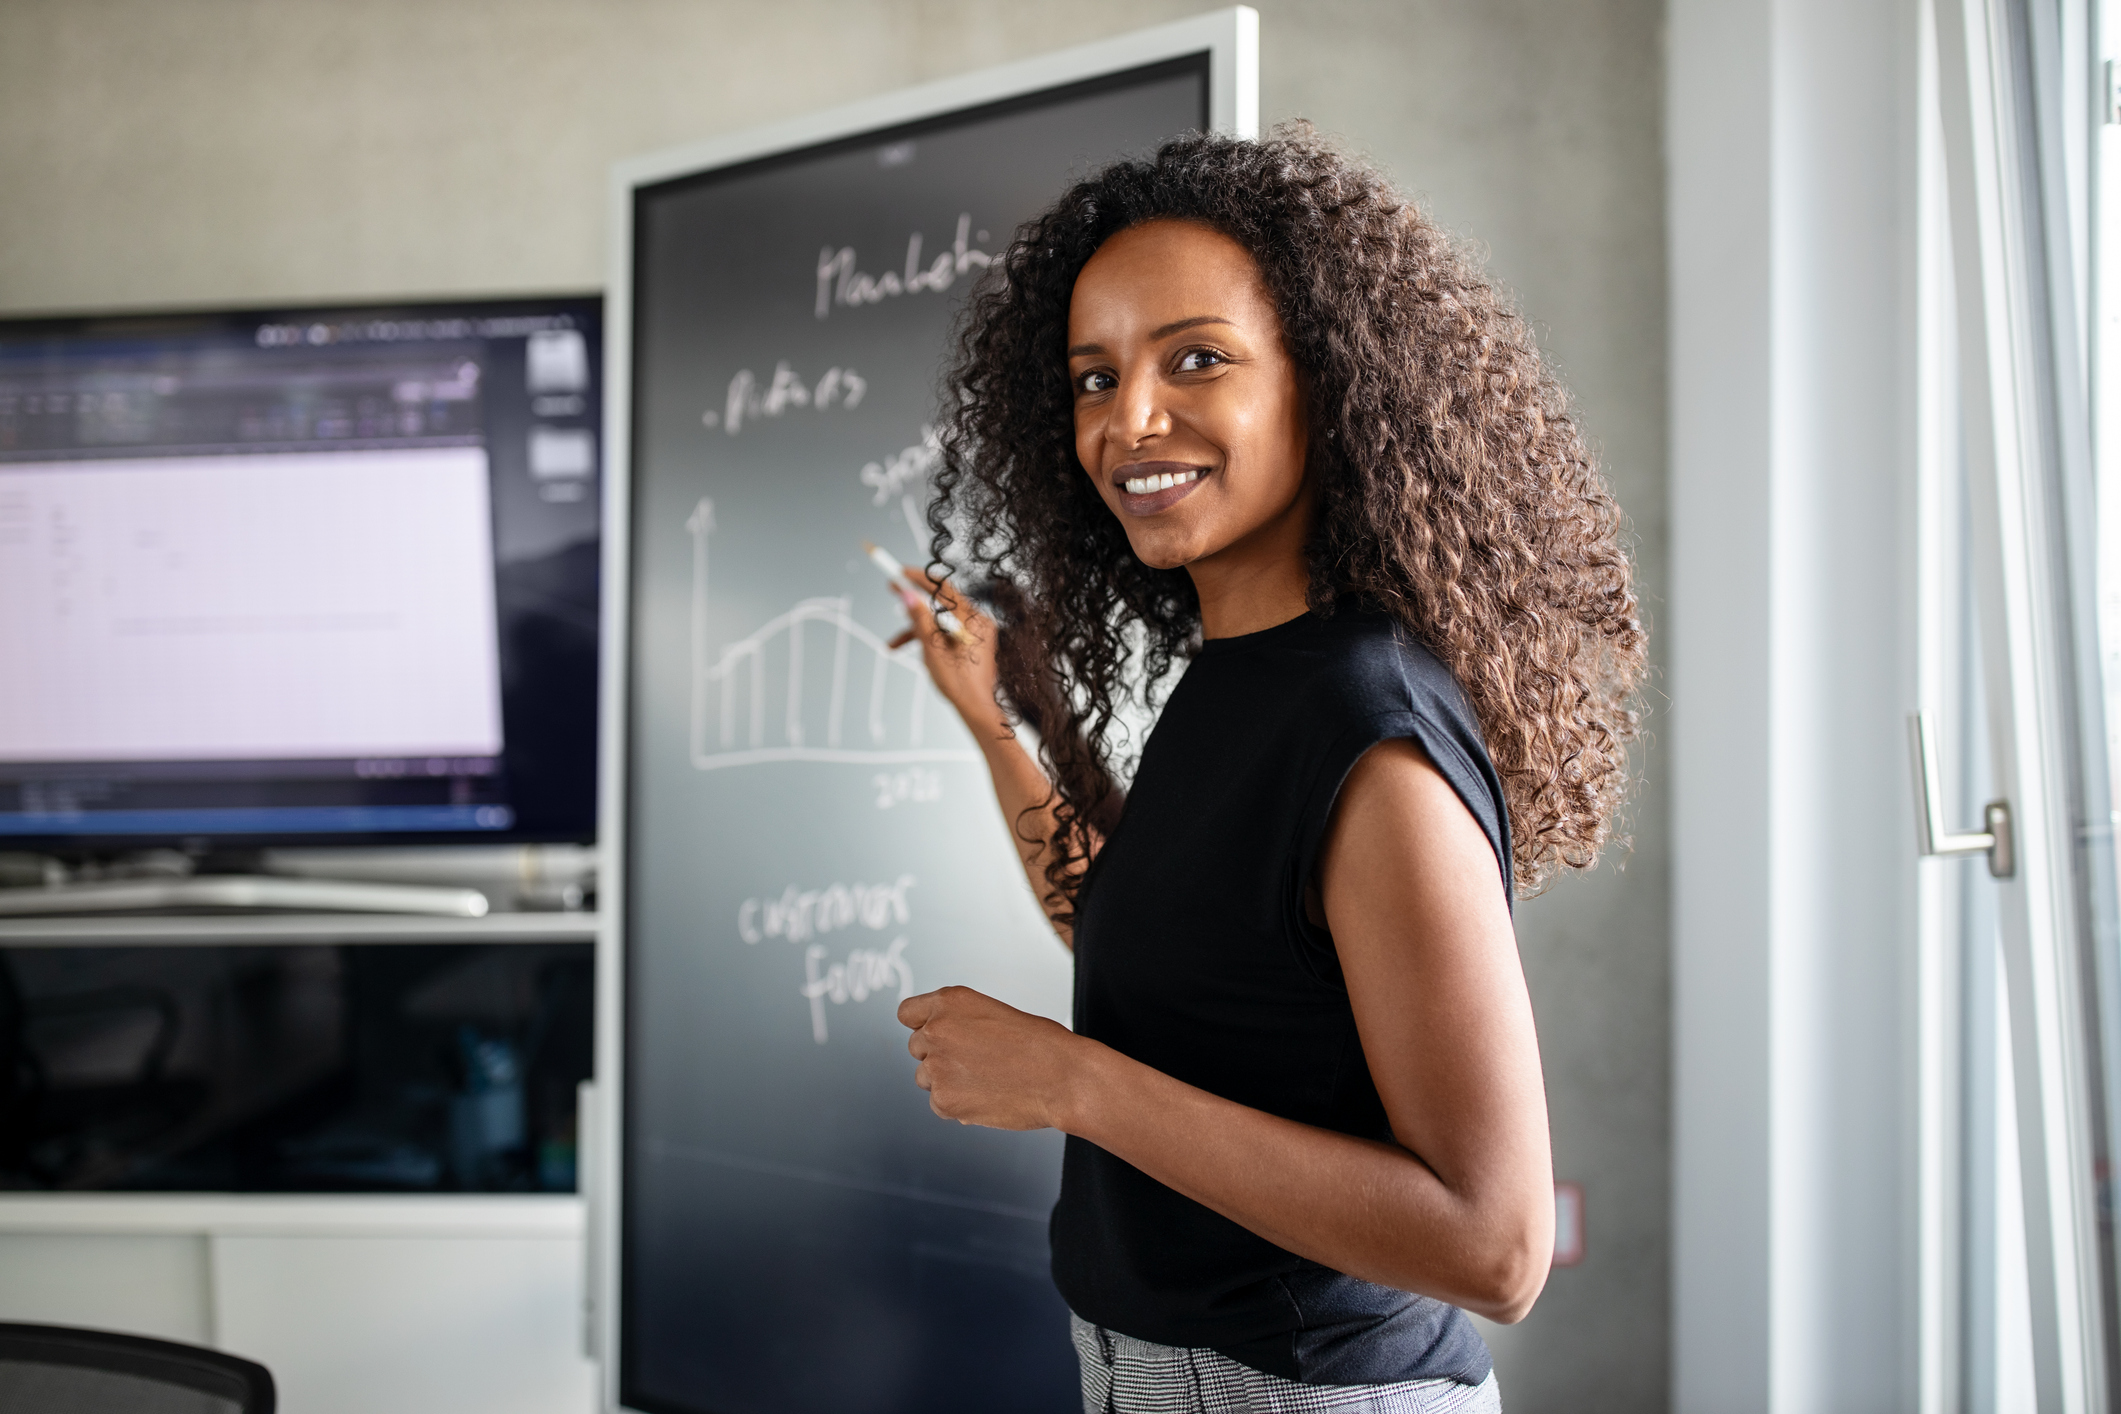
<point x="731" y="687"/>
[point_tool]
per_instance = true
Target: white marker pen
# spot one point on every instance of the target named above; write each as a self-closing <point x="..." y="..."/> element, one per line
<point x="896" y="573"/>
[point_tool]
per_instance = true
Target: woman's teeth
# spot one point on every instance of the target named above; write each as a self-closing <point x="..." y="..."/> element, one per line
<point x="1143" y="485"/>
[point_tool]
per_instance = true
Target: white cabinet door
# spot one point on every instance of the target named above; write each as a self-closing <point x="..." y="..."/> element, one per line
<point x="410" y="1324"/>
<point x="141" y="1283"/>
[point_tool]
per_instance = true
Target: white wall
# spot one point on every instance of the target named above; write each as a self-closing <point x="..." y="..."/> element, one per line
<point x="156" y="154"/>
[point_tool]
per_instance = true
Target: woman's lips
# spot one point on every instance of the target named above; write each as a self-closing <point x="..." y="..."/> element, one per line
<point x="1163" y="485"/>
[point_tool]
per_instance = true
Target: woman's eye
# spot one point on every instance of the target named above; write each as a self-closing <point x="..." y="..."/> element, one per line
<point x="1194" y="360"/>
<point x="1097" y="380"/>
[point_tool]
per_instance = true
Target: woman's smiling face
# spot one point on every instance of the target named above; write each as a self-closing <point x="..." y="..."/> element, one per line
<point x="1189" y="412"/>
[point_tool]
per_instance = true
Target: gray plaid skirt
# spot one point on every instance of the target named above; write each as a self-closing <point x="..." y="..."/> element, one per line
<point x="1122" y="1375"/>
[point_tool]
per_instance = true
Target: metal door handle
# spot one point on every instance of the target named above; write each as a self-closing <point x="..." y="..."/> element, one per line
<point x="1995" y="841"/>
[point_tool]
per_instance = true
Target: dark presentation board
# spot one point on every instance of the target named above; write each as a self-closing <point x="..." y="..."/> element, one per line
<point x="809" y="833"/>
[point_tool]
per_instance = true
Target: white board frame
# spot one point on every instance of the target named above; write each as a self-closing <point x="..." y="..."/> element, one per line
<point x="1230" y="38"/>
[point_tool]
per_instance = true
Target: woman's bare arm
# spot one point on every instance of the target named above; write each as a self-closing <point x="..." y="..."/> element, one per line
<point x="1461" y="1207"/>
<point x="966" y="675"/>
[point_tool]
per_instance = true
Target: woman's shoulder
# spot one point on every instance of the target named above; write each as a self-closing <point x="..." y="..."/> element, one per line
<point x="1364" y="661"/>
<point x="1369" y="678"/>
<point x="1323" y="675"/>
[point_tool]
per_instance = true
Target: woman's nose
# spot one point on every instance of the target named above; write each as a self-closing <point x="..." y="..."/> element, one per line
<point x="1139" y="412"/>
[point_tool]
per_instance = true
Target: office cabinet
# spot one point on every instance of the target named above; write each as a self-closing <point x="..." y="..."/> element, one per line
<point x="233" y="1056"/>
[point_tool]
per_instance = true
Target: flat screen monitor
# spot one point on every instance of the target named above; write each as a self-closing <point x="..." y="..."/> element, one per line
<point x="318" y="576"/>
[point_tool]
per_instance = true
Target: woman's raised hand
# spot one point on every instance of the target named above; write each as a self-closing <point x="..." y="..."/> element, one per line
<point x="962" y="664"/>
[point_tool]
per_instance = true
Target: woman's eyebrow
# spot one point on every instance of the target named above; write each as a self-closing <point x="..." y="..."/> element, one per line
<point x="1161" y="332"/>
<point x="1172" y="328"/>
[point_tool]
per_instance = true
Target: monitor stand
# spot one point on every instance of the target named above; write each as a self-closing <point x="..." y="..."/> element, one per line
<point x="164" y="883"/>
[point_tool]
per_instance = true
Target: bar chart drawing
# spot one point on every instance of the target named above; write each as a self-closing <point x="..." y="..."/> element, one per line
<point x="760" y="699"/>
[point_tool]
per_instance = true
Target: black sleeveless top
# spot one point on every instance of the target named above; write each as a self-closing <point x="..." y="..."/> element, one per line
<point x="1193" y="955"/>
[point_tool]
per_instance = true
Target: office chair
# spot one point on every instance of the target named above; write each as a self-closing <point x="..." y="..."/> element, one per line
<point x="64" y="1370"/>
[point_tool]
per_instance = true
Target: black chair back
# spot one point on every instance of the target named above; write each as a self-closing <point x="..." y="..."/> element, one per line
<point x="67" y="1370"/>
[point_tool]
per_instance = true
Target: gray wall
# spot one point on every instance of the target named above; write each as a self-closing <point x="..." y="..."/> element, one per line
<point x="257" y="150"/>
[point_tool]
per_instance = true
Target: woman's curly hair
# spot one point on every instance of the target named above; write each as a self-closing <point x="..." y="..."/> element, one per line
<point x="1452" y="488"/>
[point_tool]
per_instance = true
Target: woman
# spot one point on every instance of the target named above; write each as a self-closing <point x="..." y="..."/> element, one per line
<point x="1240" y="404"/>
